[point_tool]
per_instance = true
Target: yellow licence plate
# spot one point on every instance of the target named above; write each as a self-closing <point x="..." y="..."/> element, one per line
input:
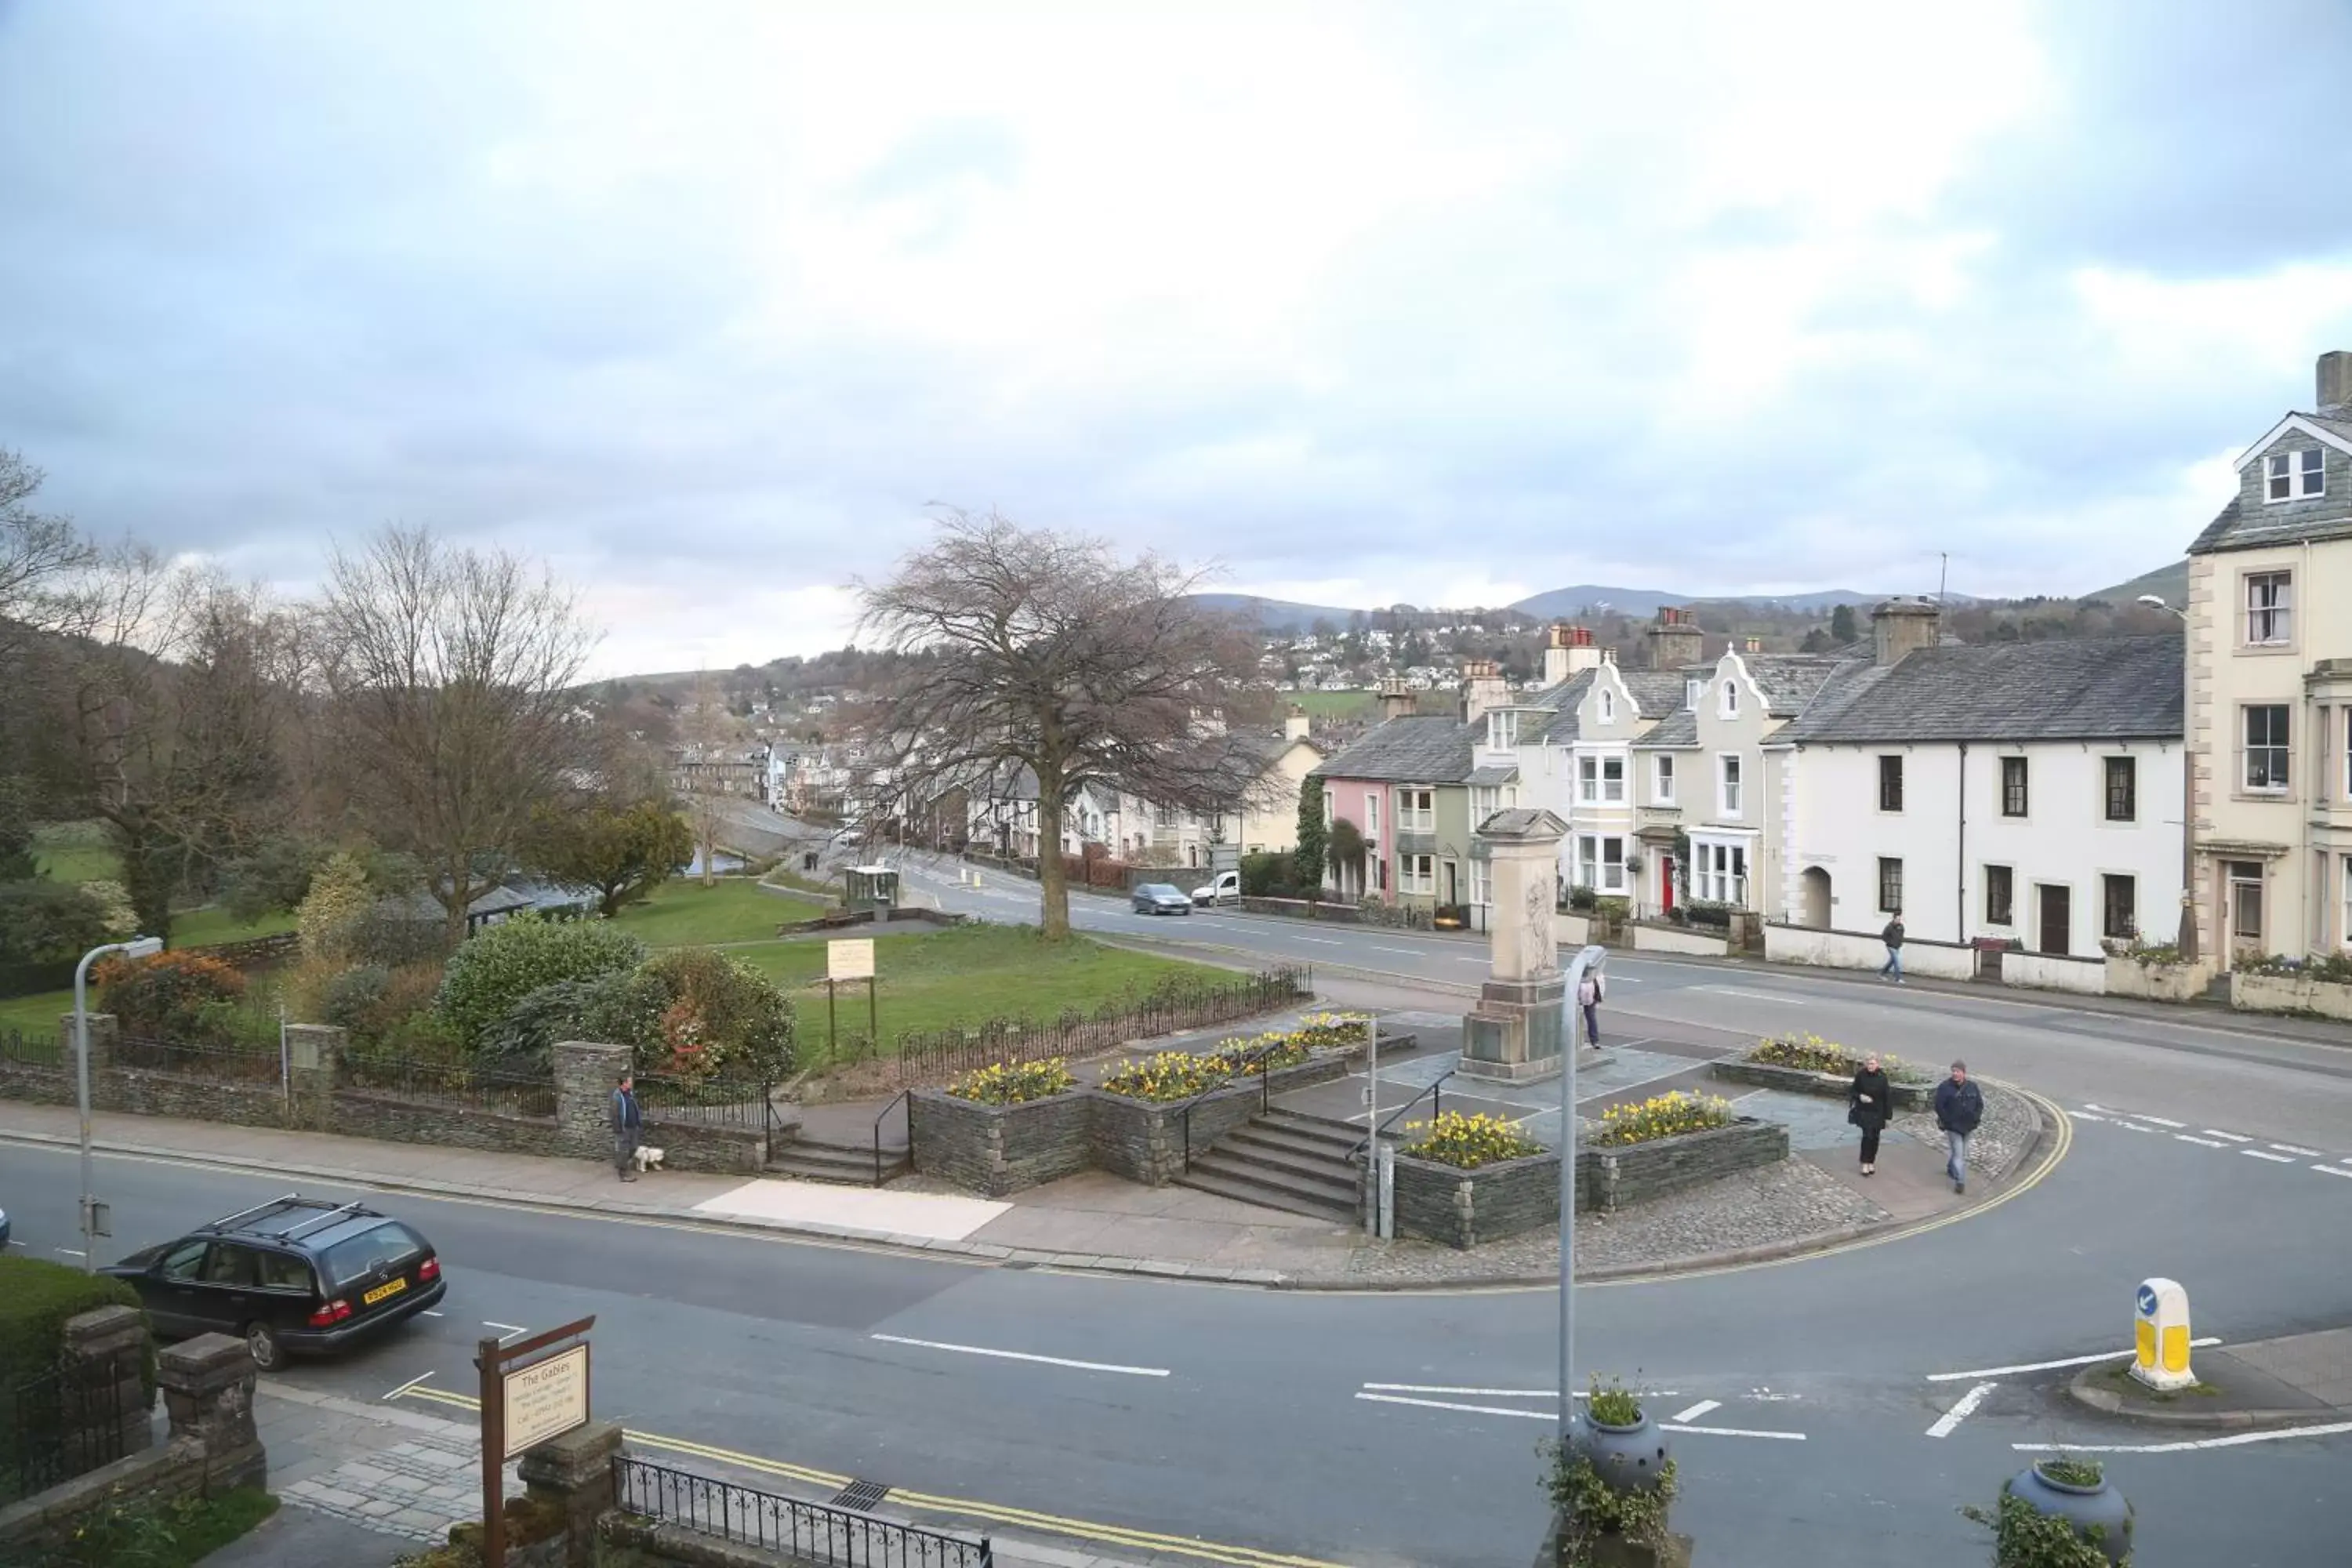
<point x="392" y="1287"/>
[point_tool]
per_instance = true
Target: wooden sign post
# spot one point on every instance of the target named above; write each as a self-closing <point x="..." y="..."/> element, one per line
<point x="532" y="1391"/>
<point x="851" y="959"/>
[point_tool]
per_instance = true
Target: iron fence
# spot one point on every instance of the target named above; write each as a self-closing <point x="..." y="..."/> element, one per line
<point x="189" y="1059"/>
<point x="45" y="1049"/>
<point x="923" y="1057"/>
<point x="61" y="1424"/>
<point x="807" y="1531"/>
<point x="703" y="1102"/>
<point x="464" y="1085"/>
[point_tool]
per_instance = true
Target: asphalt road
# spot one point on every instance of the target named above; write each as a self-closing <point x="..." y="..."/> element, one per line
<point x="1401" y="1428"/>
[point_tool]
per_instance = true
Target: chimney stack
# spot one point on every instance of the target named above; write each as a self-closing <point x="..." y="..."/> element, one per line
<point x="1751" y="643"/>
<point x="1902" y="627"/>
<point x="1294" y="723"/>
<point x="1397" y="701"/>
<point x="2336" y="379"/>
<point x="1568" y="650"/>
<point x="1483" y="689"/>
<point x="1675" y="641"/>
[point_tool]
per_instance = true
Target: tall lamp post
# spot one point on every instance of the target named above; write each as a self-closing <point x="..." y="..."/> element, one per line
<point x="2187" y="938"/>
<point x="1589" y="961"/>
<point x="137" y="947"/>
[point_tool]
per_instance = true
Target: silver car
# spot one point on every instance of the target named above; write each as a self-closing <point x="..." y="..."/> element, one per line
<point x="1160" y="898"/>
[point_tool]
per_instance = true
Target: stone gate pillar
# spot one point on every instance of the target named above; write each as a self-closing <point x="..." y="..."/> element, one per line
<point x="1513" y="1034"/>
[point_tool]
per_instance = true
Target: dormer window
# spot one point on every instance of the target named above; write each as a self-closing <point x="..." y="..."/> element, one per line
<point x="2296" y="476"/>
<point x="1501" y="731"/>
<point x="1690" y="694"/>
<point x="1608" y="706"/>
<point x="1731" y="698"/>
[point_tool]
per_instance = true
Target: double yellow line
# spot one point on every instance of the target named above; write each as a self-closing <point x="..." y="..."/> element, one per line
<point x="962" y="1508"/>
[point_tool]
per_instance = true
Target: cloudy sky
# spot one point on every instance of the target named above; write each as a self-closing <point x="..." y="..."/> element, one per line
<point x="1439" y="302"/>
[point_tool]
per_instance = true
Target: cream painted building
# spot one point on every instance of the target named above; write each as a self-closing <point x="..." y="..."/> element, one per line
<point x="2269" y="690"/>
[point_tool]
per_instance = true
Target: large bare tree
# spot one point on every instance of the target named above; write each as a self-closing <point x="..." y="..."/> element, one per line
<point x="40" y="554"/>
<point x="449" y="675"/>
<point x="1050" y="653"/>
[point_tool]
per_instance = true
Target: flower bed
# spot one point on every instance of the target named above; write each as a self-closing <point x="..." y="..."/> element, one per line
<point x="1467" y="1143"/>
<point x="1811" y="1053"/>
<point x="996" y="1148"/>
<point x="1165" y="1077"/>
<point x="1666" y="1115"/>
<point x="1169" y="1076"/>
<point x="1015" y="1083"/>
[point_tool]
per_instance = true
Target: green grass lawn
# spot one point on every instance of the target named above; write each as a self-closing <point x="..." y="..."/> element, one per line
<point x="682" y="912"/>
<point x="966" y="975"/>
<point x="1334" y="704"/>
<point x="211" y="924"/>
<point x="36" y="1015"/>
<point x="76" y="852"/>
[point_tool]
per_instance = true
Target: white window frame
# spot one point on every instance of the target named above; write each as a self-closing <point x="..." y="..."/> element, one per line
<point x="1485" y="802"/>
<point x="1372" y="819"/>
<point x="1588" y="860"/>
<point x="1661" y="780"/>
<point x="1417" y="873"/>
<point x="2285" y="772"/>
<point x="1730" y="706"/>
<point x="2299" y="474"/>
<point x="1588" y="780"/>
<point x="1612" y="789"/>
<point x="1731" y="787"/>
<point x="1608" y="706"/>
<point x="1416" y="811"/>
<point x="1482" y="884"/>
<point x="1501" y="731"/>
<point x="1692" y="687"/>
<point x="2271" y="623"/>
<point x="2344" y="936"/>
<point x="1720" y="873"/>
<point x="1612" y="865"/>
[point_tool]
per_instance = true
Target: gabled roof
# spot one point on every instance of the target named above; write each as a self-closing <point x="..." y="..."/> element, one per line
<point x="1416" y="748"/>
<point x="1788" y="680"/>
<point x="2080" y="688"/>
<point x="1679" y="728"/>
<point x="1658" y="693"/>
<point x="1492" y="778"/>
<point x="2237" y="527"/>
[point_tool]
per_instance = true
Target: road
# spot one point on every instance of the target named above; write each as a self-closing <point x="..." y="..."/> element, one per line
<point x="1379" y="1429"/>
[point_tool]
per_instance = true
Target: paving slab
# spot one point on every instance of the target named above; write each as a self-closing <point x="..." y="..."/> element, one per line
<point x="297" y="1537"/>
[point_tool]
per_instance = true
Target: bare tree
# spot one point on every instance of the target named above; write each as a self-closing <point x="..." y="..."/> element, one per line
<point x="449" y="675"/>
<point x="40" y="555"/>
<point x="1045" y="652"/>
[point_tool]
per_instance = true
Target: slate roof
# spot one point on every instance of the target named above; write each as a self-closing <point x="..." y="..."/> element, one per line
<point x="1679" y="728"/>
<point x="2080" y="688"/>
<point x="1788" y="680"/>
<point x="1562" y="701"/>
<point x="1492" y="778"/>
<point x="1656" y="691"/>
<point x="1417" y="749"/>
<point x="2284" y="522"/>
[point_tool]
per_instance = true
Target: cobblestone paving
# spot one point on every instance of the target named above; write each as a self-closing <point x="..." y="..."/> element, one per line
<point x="395" y="1471"/>
<point x="2007" y="1131"/>
<point x="1787" y="1202"/>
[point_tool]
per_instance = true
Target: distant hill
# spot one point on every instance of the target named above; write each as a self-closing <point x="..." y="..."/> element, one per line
<point x="2169" y="583"/>
<point x="1275" y="615"/>
<point x="1285" y="616"/>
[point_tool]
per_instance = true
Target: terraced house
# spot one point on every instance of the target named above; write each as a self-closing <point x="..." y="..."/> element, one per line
<point x="1406" y="788"/>
<point x="2269" y="684"/>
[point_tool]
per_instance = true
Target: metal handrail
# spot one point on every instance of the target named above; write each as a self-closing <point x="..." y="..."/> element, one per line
<point x="1437" y="1109"/>
<point x="1260" y="1059"/>
<point x="887" y="1109"/>
<point x="805" y="1531"/>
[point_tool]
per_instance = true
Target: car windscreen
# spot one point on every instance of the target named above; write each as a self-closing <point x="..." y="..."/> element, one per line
<point x="354" y="1258"/>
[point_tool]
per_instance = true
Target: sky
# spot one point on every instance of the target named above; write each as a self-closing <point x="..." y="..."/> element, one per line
<point x="708" y="305"/>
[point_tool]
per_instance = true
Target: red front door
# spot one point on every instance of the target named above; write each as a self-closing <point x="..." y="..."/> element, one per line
<point x="1666" y="881"/>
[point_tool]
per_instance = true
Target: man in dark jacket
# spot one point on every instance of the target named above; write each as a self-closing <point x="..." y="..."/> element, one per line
<point x="1960" y="1106"/>
<point x="1893" y="937"/>
<point x="627" y="1122"/>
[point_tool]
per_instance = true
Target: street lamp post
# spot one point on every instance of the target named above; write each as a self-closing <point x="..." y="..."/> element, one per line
<point x="1590" y="961"/>
<point x="137" y="947"/>
<point x="2188" y="937"/>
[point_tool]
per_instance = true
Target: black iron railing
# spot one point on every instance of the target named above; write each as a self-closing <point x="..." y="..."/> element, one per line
<point x="246" y="1064"/>
<point x="44" y="1050"/>
<point x="807" y="1531"/>
<point x="1434" y="1094"/>
<point x="1261" y="1061"/>
<point x="704" y="1102"/>
<point x="61" y="1424"/>
<point x="903" y="1098"/>
<point x="465" y="1085"/>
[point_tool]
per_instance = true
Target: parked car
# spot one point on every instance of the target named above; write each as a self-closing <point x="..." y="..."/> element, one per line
<point x="295" y="1276"/>
<point x="1225" y="888"/>
<point x="1161" y="898"/>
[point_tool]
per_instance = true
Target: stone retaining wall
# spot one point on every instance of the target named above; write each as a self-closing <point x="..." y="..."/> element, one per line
<point x="1613" y="1177"/>
<point x="1441" y="1203"/>
<point x="999" y="1150"/>
<point x="2289" y="994"/>
<point x="1829" y="1085"/>
<point x="1650" y="938"/>
<point x="2055" y="972"/>
<point x="2156" y="982"/>
<point x="1862" y="949"/>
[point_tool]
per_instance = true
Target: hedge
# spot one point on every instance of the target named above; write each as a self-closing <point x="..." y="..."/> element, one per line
<point x="37" y="1297"/>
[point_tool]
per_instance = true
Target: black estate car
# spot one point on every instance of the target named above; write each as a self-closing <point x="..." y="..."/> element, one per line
<point x="291" y="1277"/>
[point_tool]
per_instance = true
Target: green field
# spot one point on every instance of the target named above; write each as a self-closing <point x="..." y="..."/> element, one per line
<point x="76" y="852"/>
<point x="1334" y="704"/>
<point x="967" y="975"/>
<point x="682" y="912"/>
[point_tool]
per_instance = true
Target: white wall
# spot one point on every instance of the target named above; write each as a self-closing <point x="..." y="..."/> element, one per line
<point x="1848" y="950"/>
<point x="1660" y="939"/>
<point x="2063" y="840"/>
<point x="2085" y="976"/>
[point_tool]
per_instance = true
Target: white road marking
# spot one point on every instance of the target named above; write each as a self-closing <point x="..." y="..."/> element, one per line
<point x="2133" y="1127"/>
<point x="71" y="1251"/>
<point x="1497" y="1392"/>
<point x="2235" y="1440"/>
<point x="511" y="1329"/>
<point x="2208" y="1143"/>
<point x="1482" y="962"/>
<point x="2089" y="1116"/>
<point x="1466" y="1409"/>
<point x="1949" y="1421"/>
<point x="2298" y="1149"/>
<point x="1730" y="1432"/>
<point x="1320" y="941"/>
<point x="1022" y="1355"/>
<point x="2332" y="1171"/>
<point x="429" y="1313"/>
<point x="2273" y="1159"/>
<point x="1753" y="995"/>
<point x="1984" y="1372"/>
<point x="1408" y="952"/>
<point x="2232" y="1137"/>
<point x="405" y="1387"/>
<point x="1696" y="1411"/>
<point x="2161" y="1122"/>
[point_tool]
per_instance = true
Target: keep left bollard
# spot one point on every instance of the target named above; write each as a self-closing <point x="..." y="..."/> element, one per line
<point x="2160" y="1336"/>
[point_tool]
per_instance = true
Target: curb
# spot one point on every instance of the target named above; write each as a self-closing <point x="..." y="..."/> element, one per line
<point x="2109" y="1403"/>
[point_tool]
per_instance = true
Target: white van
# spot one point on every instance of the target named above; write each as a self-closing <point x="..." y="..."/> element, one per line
<point x="1225" y="887"/>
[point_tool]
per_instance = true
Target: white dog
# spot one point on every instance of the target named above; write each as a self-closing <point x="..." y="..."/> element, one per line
<point x="648" y="1158"/>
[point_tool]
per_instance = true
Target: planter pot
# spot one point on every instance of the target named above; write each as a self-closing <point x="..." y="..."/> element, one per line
<point x="2086" y="1508"/>
<point x="1626" y="1457"/>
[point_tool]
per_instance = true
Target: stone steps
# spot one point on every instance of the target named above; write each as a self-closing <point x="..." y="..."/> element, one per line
<point x="1283" y="1160"/>
<point x="844" y="1164"/>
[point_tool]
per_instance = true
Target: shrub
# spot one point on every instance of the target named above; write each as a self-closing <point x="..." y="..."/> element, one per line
<point x="1811" y="1053"/>
<point x="1321" y="1031"/>
<point x="186" y="997"/>
<point x="1265" y="876"/>
<point x="49" y="922"/>
<point x="391" y="934"/>
<point x="1582" y="900"/>
<point x="2332" y="968"/>
<point x="1662" y="1116"/>
<point x="338" y="897"/>
<point x="1706" y="912"/>
<point x="1004" y="1083"/>
<point x="2025" y="1536"/>
<point x="1254" y="1052"/>
<point x="527" y="1032"/>
<point x="350" y="1000"/>
<point x="113" y="900"/>
<point x="276" y="876"/>
<point x="690" y="1012"/>
<point x="499" y="967"/>
<point x="1167" y="1076"/>
<point x="1468" y="1141"/>
<point x="37" y="1297"/>
<point x="1616" y="911"/>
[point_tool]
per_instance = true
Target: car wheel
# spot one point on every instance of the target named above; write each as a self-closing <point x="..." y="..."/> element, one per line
<point x="269" y="1355"/>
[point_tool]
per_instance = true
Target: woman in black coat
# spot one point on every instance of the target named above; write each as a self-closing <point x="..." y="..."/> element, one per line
<point x="1867" y="1104"/>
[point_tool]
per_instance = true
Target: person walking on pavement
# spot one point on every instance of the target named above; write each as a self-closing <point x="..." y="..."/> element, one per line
<point x="1893" y="937"/>
<point x="1866" y="1107"/>
<point x="628" y="1120"/>
<point x="1588" y="996"/>
<point x="1960" y="1106"/>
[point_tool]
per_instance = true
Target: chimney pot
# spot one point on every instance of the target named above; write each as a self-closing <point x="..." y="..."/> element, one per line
<point x="2336" y="378"/>
<point x="1675" y="641"/>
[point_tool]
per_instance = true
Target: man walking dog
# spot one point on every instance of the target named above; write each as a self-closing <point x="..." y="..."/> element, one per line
<point x="628" y="1121"/>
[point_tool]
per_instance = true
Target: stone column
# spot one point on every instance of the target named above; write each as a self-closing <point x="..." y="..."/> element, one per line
<point x="573" y="1475"/>
<point x="1513" y="1034"/>
<point x="585" y="1074"/>
<point x="105" y="1029"/>
<point x="208" y="1394"/>
<point x="104" y="1400"/>
<point x="314" y="1056"/>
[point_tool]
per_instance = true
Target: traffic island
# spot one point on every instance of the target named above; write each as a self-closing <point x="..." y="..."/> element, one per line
<point x="2265" y="1382"/>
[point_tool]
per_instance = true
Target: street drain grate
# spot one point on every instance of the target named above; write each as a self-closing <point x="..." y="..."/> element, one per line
<point x="861" y="1494"/>
<point x="1018" y="1263"/>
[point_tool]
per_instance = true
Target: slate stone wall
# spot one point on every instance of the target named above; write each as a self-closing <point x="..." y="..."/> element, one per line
<point x="998" y="1149"/>
<point x="1611" y="1178"/>
<point x="1441" y="1203"/>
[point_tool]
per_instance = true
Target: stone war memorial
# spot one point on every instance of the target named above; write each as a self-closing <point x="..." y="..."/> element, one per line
<point x="1518" y="1028"/>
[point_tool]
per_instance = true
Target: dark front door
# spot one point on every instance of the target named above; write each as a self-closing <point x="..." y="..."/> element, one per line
<point x="2057" y="917"/>
<point x="1453" y="884"/>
